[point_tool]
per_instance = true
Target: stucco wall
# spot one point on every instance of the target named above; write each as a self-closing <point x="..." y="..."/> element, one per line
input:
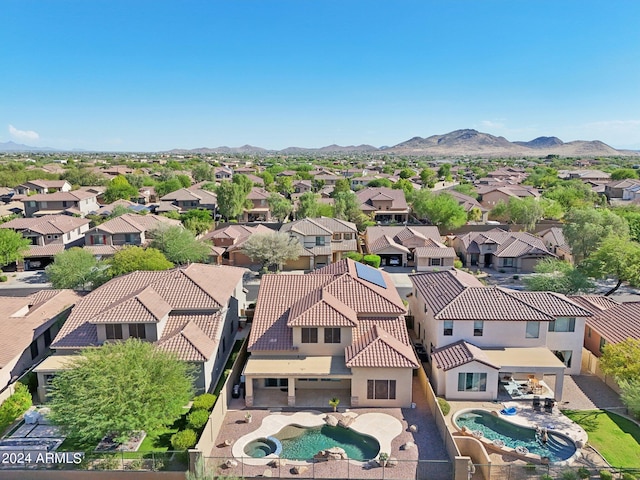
<point x="402" y="376"/>
<point x="451" y="382"/>
<point x="321" y="348"/>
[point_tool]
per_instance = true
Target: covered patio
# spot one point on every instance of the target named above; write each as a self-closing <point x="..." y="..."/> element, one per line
<point x="296" y="381"/>
<point x="522" y="371"/>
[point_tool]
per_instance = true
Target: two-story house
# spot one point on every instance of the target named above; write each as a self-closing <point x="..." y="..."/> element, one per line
<point x="384" y="204"/>
<point x="415" y="246"/>
<point x="485" y="342"/>
<point x="491" y="195"/>
<point x="77" y="202"/>
<point x="509" y="251"/>
<point x="191" y="311"/>
<point x="259" y="210"/>
<point x="127" y="229"/>
<point x="187" y="199"/>
<point x="33" y="187"/>
<point x="336" y="332"/>
<point x="27" y="326"/>
<point x="227" y="243"/>
<point x="49" y="235"/>
<point x="323" y="241"/>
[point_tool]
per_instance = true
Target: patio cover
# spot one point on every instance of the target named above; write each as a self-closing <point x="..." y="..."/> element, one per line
<point x="524" y="359"/>
<point x="295" y="367"/>
<point x="55" y="363"/>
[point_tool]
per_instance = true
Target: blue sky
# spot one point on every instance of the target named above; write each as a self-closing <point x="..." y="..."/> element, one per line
<point x="146" y="75"/>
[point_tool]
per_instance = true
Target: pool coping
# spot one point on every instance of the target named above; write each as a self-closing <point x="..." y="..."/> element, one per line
<point x="521" y="422"/>
<point x="381" y="426"/>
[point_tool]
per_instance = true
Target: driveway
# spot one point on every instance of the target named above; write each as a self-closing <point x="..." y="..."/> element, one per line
<point x="33" y="279"/>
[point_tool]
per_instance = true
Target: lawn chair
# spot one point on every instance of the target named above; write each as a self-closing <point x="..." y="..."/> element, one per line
<point x="537" y="405"/>
<point x="548" y="404"/>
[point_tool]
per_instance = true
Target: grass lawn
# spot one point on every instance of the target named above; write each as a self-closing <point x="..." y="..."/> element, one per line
<point x="615" y="437"/>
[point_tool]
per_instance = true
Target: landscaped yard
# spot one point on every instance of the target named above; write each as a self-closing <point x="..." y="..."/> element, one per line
<point x="615" y="437"/>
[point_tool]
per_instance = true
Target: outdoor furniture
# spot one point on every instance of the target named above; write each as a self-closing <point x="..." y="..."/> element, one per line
<point x="548" y="404"/>
<point x="509" y="411"/>
<point x="537" y="405"/>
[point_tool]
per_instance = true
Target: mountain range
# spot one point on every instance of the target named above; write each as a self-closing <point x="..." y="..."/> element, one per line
<point x="466" y="142"/>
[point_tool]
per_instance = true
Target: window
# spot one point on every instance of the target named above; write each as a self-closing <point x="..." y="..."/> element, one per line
<point x="276" y="382"/>
<point x="98" y="240"/>
<point x="34" y="349"/>
<point x="478" y="328"/>
<point x="602" y="344"/>
<point x="564" y="356"/>
<point x="562" y="324"/>
<point x="137" y="330"/>
<point x="129" y="237"/>
<point x="309" y="335"/>
<point x="319" y="241"/>
<point x="347" y="236"/>
<point x="332" y="335"/>
<point x="533" y="330"/>
<point x="472" y="382"/>
<point x="113" y="331"/>
<point x="435" y="262"/>
<point x="381" y="389"/>
<point x="448" y="328"/>
<point x="47" y="338"/>
<point x="507" y="262"/>
<point x="336" y="236"/>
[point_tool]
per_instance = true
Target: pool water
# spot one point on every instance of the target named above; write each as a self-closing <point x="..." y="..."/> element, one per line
<point x="299" y="443"/>
<point x="558" y="447"/>
<point x="261" y="447"/>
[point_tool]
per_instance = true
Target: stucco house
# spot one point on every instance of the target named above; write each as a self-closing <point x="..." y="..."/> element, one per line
<point x="491" y="195"/>
<point x="227" y="243"/>
<point x="259" y="210"/>
<point x="336" y="332"/>
<point x="27" y="326"/>
<point x="509" y="251"/>
<point x="482" y="340"/>
<point x="323" y="241"/>
<point x="386" y="205"/>
<point x="556" y="243"/>
<point x="191" y="311"/>
<point x="42" y="186"/>
<point x="77" y="202"/>
<point x="187" y="199"/>
<point x="127" y="229"/>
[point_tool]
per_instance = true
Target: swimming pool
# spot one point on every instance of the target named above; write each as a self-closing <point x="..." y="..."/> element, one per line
<point x="300" y="443"/>
<point x="558" y="448"/>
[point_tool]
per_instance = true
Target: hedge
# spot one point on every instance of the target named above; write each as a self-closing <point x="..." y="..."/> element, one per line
<point x="197" y="418"/>
<point x="14" y="406"/>
<point x="371" y="260"/>
<point x="184" y="439"/>
<point x="206" y="401"/>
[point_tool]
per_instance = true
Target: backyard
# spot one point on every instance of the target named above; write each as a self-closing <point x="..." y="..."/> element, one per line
<point x="615" y="437"/>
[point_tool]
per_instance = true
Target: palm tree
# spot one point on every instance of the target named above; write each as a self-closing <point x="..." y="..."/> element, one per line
<point x="334" y="402"/>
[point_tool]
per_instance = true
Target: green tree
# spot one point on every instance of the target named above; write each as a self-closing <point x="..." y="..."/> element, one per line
<point x="184" y="180"/>
<point x="445" y="172"/>
<point x="466" y="189"/>
<point x="442" y="209"/>
<point x="76" y="268"/>
<point x="622" y="360"/>
<point x="342" y="185"/>
<point x="586" y="228"/>
<point x="542" y="177"/>
<point x="83" y="177"/>
<point x="179" y="245"/>
<point x="630" y="395"/>
<point x="631" y="214"/>
<point x="133" y="258"/>
<point x="120" y="387"/>
<point x="198" y="220"/>
<point x="119" y="188"/>
<point x="474" y="215"/>
<point x="203" y="172"/>
<point x="553" y="275"/>
<point x="622" y="173"/>
<point x="280" y="207"/>
<point x="231" y="200"/>
<point x="428" y="177"/>
<point x="380" y="182"/>
<point x="272" y="249"/>
<point x="284" y="185"/>
<point x="267" y="178"/>
<point x="307" y="205"/>
<point x="118" y="211"/>
<point x="615" y="257"/>
<point x="13" y="246"/>
<point x="243" y="182"/>
<point x="406" y="173"/>
<point x="405" y="185"/>
<point x="572" y="194"/>
<point x="168" y="186"/>
<point x="525" y="211"/>
<point x="551" y="209"/>
<point x="500" y="212"/>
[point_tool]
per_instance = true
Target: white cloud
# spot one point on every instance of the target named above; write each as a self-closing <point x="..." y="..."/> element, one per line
<point x="23" y="135"/>
<point x="491" y="124"/>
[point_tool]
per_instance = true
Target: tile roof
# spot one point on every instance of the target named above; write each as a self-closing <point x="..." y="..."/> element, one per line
<point x="458" y="354"/>
<point x="133" y="223"/>
<point x="384" y="242"/>
<point x="435" y="252"/>
<point x="103" y="250"/>
<point x="369" y="194"/>
<point x="401" y="234"/>
<point x="22" y="319"/>
<point x="47" y="225"/>
<point x="306" y="227"/>
<point x="147" y="297"/>
<point x="377" y="348"/>
<point x="510" y="244"/>
<point x="616" y="324"/>
<point x="440" y="288"/>
<point x="258" y="193"/>
<point x="193" y="338"/>
<point x="593" y="303"/>
<point x="321" y="309"/>
<point x="73" y="196"/>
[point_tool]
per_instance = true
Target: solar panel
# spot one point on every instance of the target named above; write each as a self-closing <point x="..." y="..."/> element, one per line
<point x="370" y="274"/>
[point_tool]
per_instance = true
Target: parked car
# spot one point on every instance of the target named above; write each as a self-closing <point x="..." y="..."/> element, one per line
<point x="235" y="393"/>
<point x="421" y="351"/>
<point x="394" y="261"/>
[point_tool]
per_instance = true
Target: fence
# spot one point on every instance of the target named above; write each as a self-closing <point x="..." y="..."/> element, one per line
<point x="548" y="472"/>
<point x="333" y="469"/>
<point x="591" y="364"/>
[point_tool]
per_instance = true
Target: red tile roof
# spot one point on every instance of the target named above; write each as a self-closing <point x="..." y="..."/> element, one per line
<point x="616" y="324"/>
<point x="458" y="354"/>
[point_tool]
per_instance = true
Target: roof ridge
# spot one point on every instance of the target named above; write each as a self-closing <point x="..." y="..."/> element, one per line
<point x="506" y="292"/>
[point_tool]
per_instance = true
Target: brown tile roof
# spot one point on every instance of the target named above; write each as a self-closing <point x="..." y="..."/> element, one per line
<point x="402" y="234"/>
<point x="146" y="297"/>
<point x="133" y="223"/>
<point x="435" y="252"/>
<point x="616" y="324"/>
<point x="321" y="309"/>
<point x="384" y="242"/>
<point x="258" y="193"/>
<point x="377" y="348"/>
<point x="103" y="250"/>
<point x="47" y="225"/>
<point x="42" y="251"/>
<point x="306" y="227"/>
<point x="593" y="303"/>
<point x="73" y="196"/>
<point x="369" y="194"/>
<point x="193" y="338"/>
<point x="337" y="225"/>
<point x="440" y="288"/>
<point x="458" y="354"/>
<point x="19" y="326"/>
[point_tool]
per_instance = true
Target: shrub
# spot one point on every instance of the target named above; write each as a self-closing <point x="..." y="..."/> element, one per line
<point x="108" y="462"/>
<point x="457" y="264"/>
<point x="568" y="475"/>
<point x="516" y="277"/>
<point x="583" y="472"/>
<point x="204" y="401"/>
<point x="183" y="439"/>
<point x="355" y="256"/>
<point x="529" y="467"/>
<point x="14" y="406"/>
<point x="628" y="476"/>
<point x="136" y="464"/>
<point x="372" y="260"/>
<point x="546" y="476"/>
<point x="197" y="418"/>
<point x="444" y="406"/>
<point x="3" y="278"/>
<point x="605" y="475"/>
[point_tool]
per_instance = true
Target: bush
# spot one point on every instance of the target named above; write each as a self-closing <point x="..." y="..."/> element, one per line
<point x="546" y="476"/>
<point x="14" y="406"/>
<point x="355" y="256"/>
<point x="183" y="439"/>
<point x="569" y="475"/>
<point x="136" y="464"/>
<point x="516" y="277"/>
<point x="628" y="476"/>
<point x="204" y="401"/>
<point x="3" y="278"/>
<point x="197" y="418"/>
<point x="583" y="472"/>
<point x="108" y="462"/>
<point x="605" y="475"/>
<point x="372" y="260"/>
<point x="457" y="264"/>
<point x="444" y="406"/>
